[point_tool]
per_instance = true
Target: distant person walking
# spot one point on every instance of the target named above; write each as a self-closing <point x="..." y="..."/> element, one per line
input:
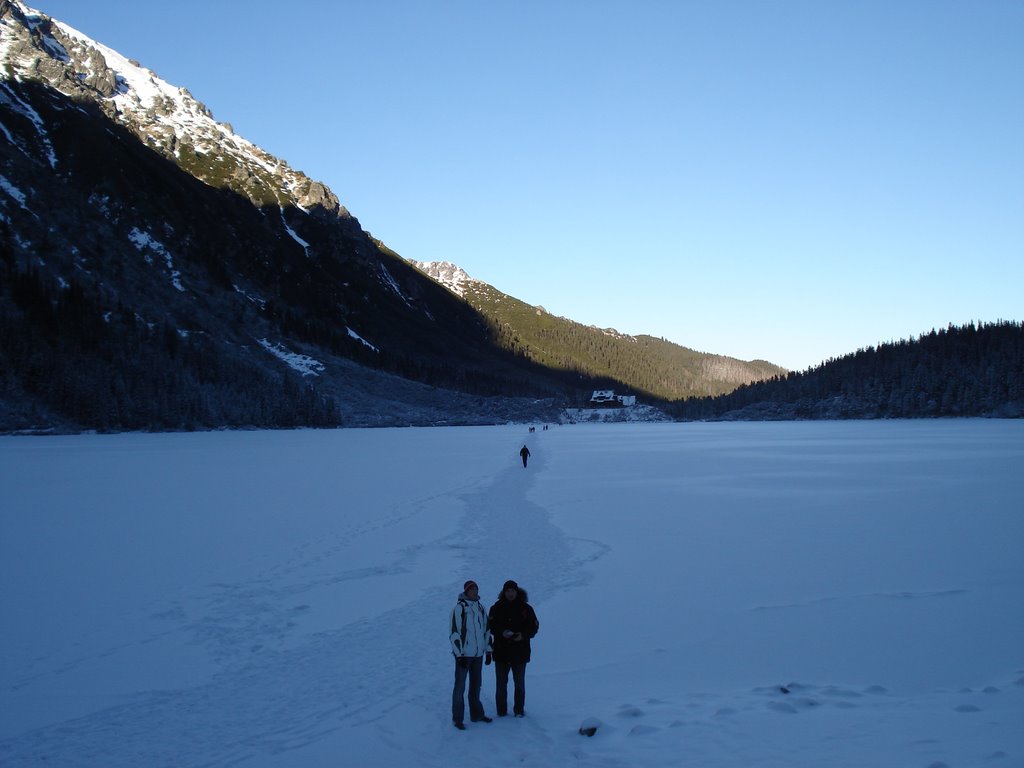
<point x="513" y="624"/>
<point x="471" y="641"/>
<point x="525" y="453"/>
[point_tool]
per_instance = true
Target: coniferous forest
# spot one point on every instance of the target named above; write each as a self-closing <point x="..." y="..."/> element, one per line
<point x="109" y="370"/>
<point x="973" y="370"/>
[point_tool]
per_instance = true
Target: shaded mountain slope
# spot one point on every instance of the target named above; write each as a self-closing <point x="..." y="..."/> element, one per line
<point x="653" y="367"/>
<point x="161" y="272"/>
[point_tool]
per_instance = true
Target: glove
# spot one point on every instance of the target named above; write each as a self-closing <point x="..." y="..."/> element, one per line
<point x="487" y="659"/>
<point x="463" y="661"/>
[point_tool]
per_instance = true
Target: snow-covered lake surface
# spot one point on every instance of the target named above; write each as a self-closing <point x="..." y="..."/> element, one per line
<point x="269" y="599"/>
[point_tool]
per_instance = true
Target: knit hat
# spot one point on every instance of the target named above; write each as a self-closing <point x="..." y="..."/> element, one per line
<point x="468" y="584"/>
<point x="510" y="585"/>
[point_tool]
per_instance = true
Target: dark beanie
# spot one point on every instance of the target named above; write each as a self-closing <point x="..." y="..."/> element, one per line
<point x="467" y="585"/>
<point x="510" y="585"/>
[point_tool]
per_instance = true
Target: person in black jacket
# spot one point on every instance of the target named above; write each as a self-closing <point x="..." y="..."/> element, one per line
<point x="513" y="624"/>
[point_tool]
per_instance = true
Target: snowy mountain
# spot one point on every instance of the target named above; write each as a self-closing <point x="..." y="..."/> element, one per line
<point x="451" y="276"/>
<point x="164" y="117"/>
<point x="159" y="271"/>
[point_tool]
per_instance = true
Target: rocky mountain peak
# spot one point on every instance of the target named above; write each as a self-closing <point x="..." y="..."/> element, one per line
<point x="451" y="276"/>
<point x="167" y="118"/>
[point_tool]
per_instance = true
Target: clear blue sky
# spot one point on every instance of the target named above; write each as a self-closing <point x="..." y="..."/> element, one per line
<point x="779" y="180"/>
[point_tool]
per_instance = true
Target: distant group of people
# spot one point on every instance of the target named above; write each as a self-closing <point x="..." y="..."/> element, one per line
<point x="524" y="452"/>
<point x="501" y="635"/>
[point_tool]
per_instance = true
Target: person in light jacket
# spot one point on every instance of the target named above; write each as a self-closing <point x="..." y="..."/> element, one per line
<point x="513" y="624"/>
<point x="471" y="642"/>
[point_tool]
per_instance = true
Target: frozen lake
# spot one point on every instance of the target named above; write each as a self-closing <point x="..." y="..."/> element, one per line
<point x="281" y="598"/>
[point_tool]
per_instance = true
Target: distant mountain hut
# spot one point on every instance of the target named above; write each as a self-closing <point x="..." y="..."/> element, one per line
<point x="606" y="398"/>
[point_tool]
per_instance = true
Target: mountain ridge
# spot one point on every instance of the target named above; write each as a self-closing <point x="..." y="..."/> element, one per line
<point x="165" y="117"/>
<point x="158" y="271"/>
<point x="656" y="368"/>
<point x="151" y="251"/>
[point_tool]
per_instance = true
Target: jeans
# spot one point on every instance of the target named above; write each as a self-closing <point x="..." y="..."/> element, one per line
<point x="475" y="672"/>
<point x="501" y="670"/>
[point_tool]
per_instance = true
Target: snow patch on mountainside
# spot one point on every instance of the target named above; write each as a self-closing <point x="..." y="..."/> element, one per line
<point x="13" y="192"/>
<point x="148" y="245"/>
<point x="293" y="234"/>
<point x="304" y="364"/>
<point x="257" y="300"/>
<point x="10" y="99"/>
<point x="357" y="337"/>
<point x="390" y="282"/>
<point x="451" y="276"/>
